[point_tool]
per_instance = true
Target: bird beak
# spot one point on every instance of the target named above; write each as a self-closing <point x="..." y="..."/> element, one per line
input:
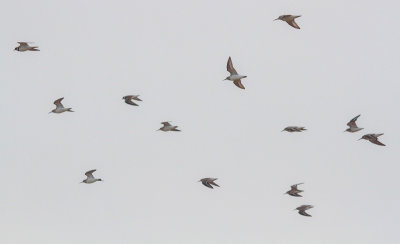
<point x="50" y="112"/>
<point x="359" y="139"/>
<point x="275" y="19"/>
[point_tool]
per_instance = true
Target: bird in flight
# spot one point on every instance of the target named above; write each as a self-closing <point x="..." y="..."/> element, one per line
<point x="302" y="210"/>
<point x="234" y="76"/>
<point x="373" y="138"/>
<point x="294" y="129"/>
<point x="294" y="191"/>
<point x="59" y="107"/>
<point x="209" y="182"/>
<point x="128" y="99"/>
<point x="290" y="19"/>
<point x="353" y="126"/>
<point x="90" y="178"/>
<point x="24" y="46"/>
<point x="168" y="127"/>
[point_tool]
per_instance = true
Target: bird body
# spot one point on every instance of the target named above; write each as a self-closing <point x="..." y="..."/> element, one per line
<point x="373" y="138"/>
<point x="90" y="178"/>
<point x="24" y="46"/>
<point x="234" y="76"/>
<point x="59" y="107"/>
<point x="290" y="19"/>
<point x="353" y="126"/>
<point x="302" y="210"/>
<point x="294" y="129"/>
<point x="208" y="182"/>
<point x="168" y="127"/>
<point x="128" y="99"/>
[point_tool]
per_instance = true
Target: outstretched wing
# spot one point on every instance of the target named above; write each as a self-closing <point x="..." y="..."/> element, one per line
<point x="375" y="141"/>
<point x="129" y="101"/>
<point x="23" y="44"/>
<point x="238" y="83"/>
<point x="166" y="123"/>
<point x="89" y="174"/>
<point x="294" y="187"/>
<point x="229" y="67"/>
<point x="58" y="103"/>
<point x="207" y="184"/>
<point x="293" y="24"/>
<point x="303" y="212"/>
<point x="352" y="123"/>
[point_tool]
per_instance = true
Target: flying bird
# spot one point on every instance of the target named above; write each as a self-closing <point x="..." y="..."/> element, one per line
<point x="24" y="46"/>
<point x="234" y="76"/>
<point x="59" y="107"/>
<point x="294" y="129"/>
<point x="353" y="126"/>
<point x="290" y="19"/>
<point x="168" y="127"/>
<point x="373" y="138"/>
<point x="209" y="182"/>
<point x="90" y="178"/>
<point x="294" y="191"/>
<point x="302" y="210"/>
<point x="128" y="99"/>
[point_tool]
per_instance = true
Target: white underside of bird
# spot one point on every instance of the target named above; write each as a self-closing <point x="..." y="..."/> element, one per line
<point x="236" y="77"/>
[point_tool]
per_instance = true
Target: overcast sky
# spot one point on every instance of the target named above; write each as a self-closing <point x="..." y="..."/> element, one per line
<point x="344" y="61"/>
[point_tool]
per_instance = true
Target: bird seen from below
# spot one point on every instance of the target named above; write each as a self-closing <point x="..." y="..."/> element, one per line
<point x="234" y="76"/>
<point x="90" y="178"/>
<point x="290" y="19"/>
<point x="59" y="107"/>
<point x="209" y="182"/>
<point x="373" y="138"/>
<point x="302" y="210"/>
<point x="294" y="191"/>
<point x="168" y="127"/>
<point x="353" y="126"/>
<point x="24" y="46"/>
<point x="128" y="99"/>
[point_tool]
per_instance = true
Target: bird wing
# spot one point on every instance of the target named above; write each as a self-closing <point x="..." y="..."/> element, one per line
<point x="136" y="98"/>
<point x="213" y="183"/>
<point x="229" y="67"/>
<point x="303" y="212"/>
<point x="375" y="141"/>
<point x="238" y="83"/>
<point x="294" y="187"/>
<point x="295" y="194"/>
<point x="89" y="173"/>
<point x="352" y="123"/>
<point x="293" y="24"/>
<point x="128" y="101"/>
<point x="58" y="103"/>
<point x="207" y="184"/>
<point x="166" y="123"/>
<point x="23" y="44"/>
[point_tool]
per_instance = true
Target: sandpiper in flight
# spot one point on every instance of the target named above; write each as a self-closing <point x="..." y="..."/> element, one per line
<point x="24" y="46"/>
<point x="353" y="126"/>
<point x="234" y="76"/>
<point x="168" y="127"/>
<point x="294" y="129"/>
<point x="90" y="178"/>
<point x="373" y="138"/>
<point x="290" y="19"/>
<point x="302" y="210"/>
<point x="128" y="99"/>
<point x="209" y="182"/>
<point x="294" y="191"/>
<point x="59" y="107"/>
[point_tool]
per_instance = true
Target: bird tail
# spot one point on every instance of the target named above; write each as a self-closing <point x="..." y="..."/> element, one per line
<point x="69" y="110"/>
<point x="297" y="16"/>
<point x="378" y="135"/>
<point x="34" y="49"/>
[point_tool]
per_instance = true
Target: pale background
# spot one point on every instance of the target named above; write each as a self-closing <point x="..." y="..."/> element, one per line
<point x="343" y="62"/>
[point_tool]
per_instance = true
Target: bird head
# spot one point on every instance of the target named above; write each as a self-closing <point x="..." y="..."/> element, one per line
<point x="16" y="49"/>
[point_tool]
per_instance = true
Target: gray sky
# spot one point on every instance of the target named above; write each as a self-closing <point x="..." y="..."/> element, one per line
<point x="343" y="62"/>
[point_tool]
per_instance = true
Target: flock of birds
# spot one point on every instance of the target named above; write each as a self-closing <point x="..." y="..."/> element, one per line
<point x="237" y="80"/>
